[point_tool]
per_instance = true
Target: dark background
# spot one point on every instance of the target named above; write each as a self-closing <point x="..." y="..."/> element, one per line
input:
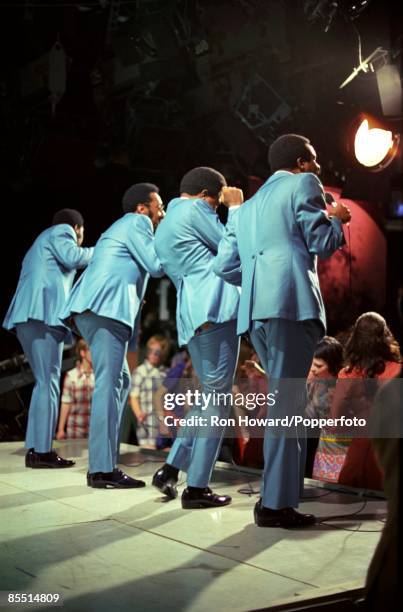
<point x="155" y="87"/>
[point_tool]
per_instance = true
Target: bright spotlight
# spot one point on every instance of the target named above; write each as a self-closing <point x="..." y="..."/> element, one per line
<point x="374" y="147"/>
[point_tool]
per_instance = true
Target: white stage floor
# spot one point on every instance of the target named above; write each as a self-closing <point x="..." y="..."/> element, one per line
<point x="127" y="550"/>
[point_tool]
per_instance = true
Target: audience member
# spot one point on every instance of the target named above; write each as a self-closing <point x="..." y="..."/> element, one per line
<point x="329" y="453"/>
<point x="78" y="387"/>
<point x="249" y="381"/>
<point x="371" y="353"/>
<point x="179" y="379"/>
<point x="146" y="379"/>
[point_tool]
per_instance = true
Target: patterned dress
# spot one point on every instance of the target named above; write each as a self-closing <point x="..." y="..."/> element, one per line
<point x="332" y="448"/>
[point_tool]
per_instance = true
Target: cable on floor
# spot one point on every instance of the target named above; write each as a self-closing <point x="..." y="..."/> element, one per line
<point x="346" y="516"/>
<point x="304" y="498"/>
<point x="250" y="491"/>
<point x="135" y="465"/>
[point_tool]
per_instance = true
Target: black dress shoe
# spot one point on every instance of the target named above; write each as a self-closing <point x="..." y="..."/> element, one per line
<point x="165" y="481"/>
<point x="286" y="517"/>
<point x="193" y="498"/>
<point x="113" y="480"/>
<point x="49" y="460"/>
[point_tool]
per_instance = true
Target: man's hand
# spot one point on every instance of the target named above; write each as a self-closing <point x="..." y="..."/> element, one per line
<point x="342" y="212"/>
<point x="60" y="435"/>
<point x="161" y="214"/>
<point x="231" y="196"/>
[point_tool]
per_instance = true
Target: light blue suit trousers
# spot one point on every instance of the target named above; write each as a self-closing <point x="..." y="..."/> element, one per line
<point x="108" y="340"/>
<point x="214" y="354"/>
<point x="285" y="350"/>
<point x="43" y="347"/>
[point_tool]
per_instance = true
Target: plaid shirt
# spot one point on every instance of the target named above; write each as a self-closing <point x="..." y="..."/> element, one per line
<point x="77" y="391"/>
<point x="146" y="379"/>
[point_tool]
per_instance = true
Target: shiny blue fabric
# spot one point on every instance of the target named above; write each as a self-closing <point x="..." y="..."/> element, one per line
<point x="115" y="282"/>
<point x="108" y="340"/>
<point x="186" y="242"/>
<point x="43" y="347"/>
<point x="47" y="274"/>
<point x="271" y="247"/>
<point x="214" y="354"/>
<point x="285" y="350"/>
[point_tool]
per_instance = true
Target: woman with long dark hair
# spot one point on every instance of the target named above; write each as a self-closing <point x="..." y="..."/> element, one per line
<point x="371" y="352"/>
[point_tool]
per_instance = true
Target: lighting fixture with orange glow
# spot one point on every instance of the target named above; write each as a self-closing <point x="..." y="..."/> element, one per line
<point x="375" y="147"/>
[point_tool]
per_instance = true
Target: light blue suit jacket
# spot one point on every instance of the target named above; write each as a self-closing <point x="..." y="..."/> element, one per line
<point x="46" y="277"/>
<point x="115" y="282"/>
<point x="186" y="242"/>
<point x="271" y="247"/>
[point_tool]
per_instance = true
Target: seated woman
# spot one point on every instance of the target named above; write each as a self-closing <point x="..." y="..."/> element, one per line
<point x="372" y="356"/>
<point x="332" y="447"/>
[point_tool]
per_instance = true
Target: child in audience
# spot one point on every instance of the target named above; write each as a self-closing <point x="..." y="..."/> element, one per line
<point x="146" y="379"/>
<point x="77" y="393"/>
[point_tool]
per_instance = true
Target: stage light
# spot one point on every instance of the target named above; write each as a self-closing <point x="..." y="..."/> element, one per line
<point x="375" y="147"/>
<point x="371" y="145"/>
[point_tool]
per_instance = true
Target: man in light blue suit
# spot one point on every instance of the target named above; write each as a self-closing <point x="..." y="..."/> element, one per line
<point x="271" y="248"/>
<point x="46" y="278"/>
<point x="186" y="243"/>
<point x="105" y="306"/>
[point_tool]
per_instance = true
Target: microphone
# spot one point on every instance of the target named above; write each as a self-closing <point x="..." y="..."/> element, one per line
<point x="330" y="199"/>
